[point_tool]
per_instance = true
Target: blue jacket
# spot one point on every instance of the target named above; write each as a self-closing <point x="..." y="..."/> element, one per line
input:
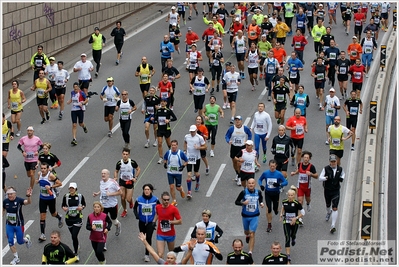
<point x="166" y="49"/>
<point x="272" y="177"/>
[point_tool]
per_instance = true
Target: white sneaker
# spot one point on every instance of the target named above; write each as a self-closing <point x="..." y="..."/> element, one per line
<point x="228" y="105"/>
<point x="29" y="242"/>
<point x="15" y="261"/>
<point x="224" y="106"/>
<point x="146" y="258"/>
<point x="18" y="134"/>
<point x="160" y="160"/>
<point x="236" y="178"/>
<point x="211" y="153"/>
<point x="147" y="144"/>
<point x="118" y="229"/>
<point x="155" y="143"/>
<point x="239" y="181"/>
<point x="309" y="208"/>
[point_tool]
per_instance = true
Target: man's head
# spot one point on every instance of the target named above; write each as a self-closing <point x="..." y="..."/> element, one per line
<point x="105" y="175"/>
<point x="55" y="238"/>
<point x="237" y="246"/>
<point x="276" y="248"/>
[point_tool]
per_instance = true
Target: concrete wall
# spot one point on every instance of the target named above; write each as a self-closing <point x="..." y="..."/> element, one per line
<point x="53" y="25"/>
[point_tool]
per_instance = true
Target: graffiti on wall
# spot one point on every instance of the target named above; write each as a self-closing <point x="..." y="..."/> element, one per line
<point x="49" y="13"/>
<point x="15" y="34"/>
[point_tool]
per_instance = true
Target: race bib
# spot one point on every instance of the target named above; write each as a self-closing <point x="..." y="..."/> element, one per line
<point x="299" y="130"/>
<point x="165" y="226"/>
<point x="14" y="105"/>
<point x="336" y="141"/>
<point x="12" y="218"/>
<point x="303" y="178"/>
<point x="280" y="98"/>
<point x="320" y="76"/>
<point x="72" y="211"/>
<point x="342" y="70"/>
<point x="161" y="120"/>
<point x="99" y="225"/>
<point x="280" y="149"/>
<point x="146" y="209"/>
<point x="144" y="78"/>
<point x="353" y="110"/>
<point x="30" y="155"/>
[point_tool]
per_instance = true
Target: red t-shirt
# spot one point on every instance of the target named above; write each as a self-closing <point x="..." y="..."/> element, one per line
<point x="208" y="34"/>
<point x="165" y="215"/>
<point x="191" y="37"/>
<point x="300" y="123"/>
<point x="236" y="27"/>
<point x="164" y="89"/>
<point x="358" y="18"/>
<point x="357" y="73"/>
<point x="297" y="41"/>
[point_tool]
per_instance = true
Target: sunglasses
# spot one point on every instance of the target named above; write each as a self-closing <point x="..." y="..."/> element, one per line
<point x="166" y="199"/>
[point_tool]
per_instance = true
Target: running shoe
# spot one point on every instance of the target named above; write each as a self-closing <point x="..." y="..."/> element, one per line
<point x="96" y="74"/>
<point x="182" y="194"/>
<point x="353" y="147"/>
<point x="109" y="133"/>
<point x="212" y="91"/>
<point x="117" y="62"/>
<point x="174" y="203"/>
<point x="105" y="247"/>
<point x="293" y="242"/>
<point x="236" y="178"/>
<point x="232" y="121"/>
<point x="118" y="229"/>
<point x="256" y="82"/>
<point x="300" y="220"/>
<point x="60" y="223"/>
<point x="239" y="181"/>
<point x="197" y="187"/>
<point x="18" y="134"/>
<point x="121" y="54"/>
<point x="327" y="143"/>
<point x="29" y="242"/>
<point x="85" y="129"/>
<point x="333" y="230"/>
<point x="217" y="88"/>
<point x="193" y="178"/>
<point x="124" y="214"/>
<point x="328" y="216"/>
<point x="189" y="196"/>
<point x="74" y="142"/>
<point x="269" y="228"/>
<point x="228" y="105"/>
<point x="367" y="75"/>
<point x="15" y="261"/>
<point x="127" y="145"/>
<point x="278" y="121"/>
<point x="60" y="116"/>
<point x="146" y="258"/>
<point x="189" y="17"/>
<point x="195" y="110"/>
<point x="247" y="239"/>
<point x="253" y="88"/>
<point x="224" y="106"/>
<point x="131" y="205"/>
<point x="309" y="207"/>
<point x="42" y="238"/>
<point x="102" y="262"/>
<point x="196" y="12"/>
<point x="43" y="121"/>
<point x="212" y="154"/>
<point x="207" y="171"/>
<point x="264" y="158"/>
<point x="77" y="257"/>
<point x="155" y="143"/>
<point x="160" y="160"/>
<point x="269" y="98"/>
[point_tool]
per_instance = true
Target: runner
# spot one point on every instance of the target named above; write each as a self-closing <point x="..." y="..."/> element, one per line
<point x="236" y="136"/>
<point x="290" y="213"/>
<point x="79" y="101"/>
<point x="163" y="116"/>
<point x="109" y="190"/>
<point x="317" y="32"/>
<point x="144" y="210"/>
<point x="42" y="87"/>
<point x="238" y="256"/>
<point x="173" y="74"/>
<point x="280" y="93"/>
<point x="331" y="105"/>
<point x="250" y="199"/>
<point x="336" y="138"/>
<point x="128" y="172"/>
<point x="354" y="50"/>
<point x="61" y="78"/>
<point x="192" y="60"/>
<point x="32" y="146"/>
<point x="262" y="128"/>
<point x="99" y="224"/>
<point x="298" y="126"/>
<point x="342" y="69"/>
<point x="97" y="41"/>
<point x="193" y="142"/>
<point x="213" y="231"/>
<point x="332" y="55"/>
<point x="12" y="207"/>
<point x="47" y="182"/>
<point x="274" y="180"/>
<point x="352" y="107"/>
<point x="83" y="68"/>
<point x="357" y="72"/>
<point x="252" y="57"/>
<point x="271" y="67"/>
<point x="203" y="131"/>
<point x="199" y="86"/>
<point x="51" y="159"/>
<point x="150" y="105"/>
<point x="276" y="257"/>
<point x="247" y="158"/>
<point x="119" y="34"/>
<point x="39" y="61"/>
<point x="7" y="132"/>
<point x="320" y="74"/>
<point x="165" y="89"/>
<point x="281" y="150"/>
<point x="127" y="107"/>
<point x="232" y="80"/>
<point x="173" y="17"/>
<point x="240" y="46"/>
<point x="57" y="252"/>
<point x="264" y="48"/>
<point x="16" y="98"/>
<point x="73" y="204"/>
<point x="50" y="71"/>
<point x="212" y="113"/>
<point x="167" y="216"/>
<point x="301" y="100"/>
<point x="110" y="95"/>
<point x="368" y="44"/>
<point x="294" y="66"/>
<point x="331" y="176"/>
<point x="216" y="69"/>
<point x="299" y="42"/>
<point x="306" y="171"/>
<point x="166" y="48"/>
<point x="145" y="71"/>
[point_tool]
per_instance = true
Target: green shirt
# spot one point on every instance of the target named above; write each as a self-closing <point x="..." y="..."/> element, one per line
<point x="212" y="113"/>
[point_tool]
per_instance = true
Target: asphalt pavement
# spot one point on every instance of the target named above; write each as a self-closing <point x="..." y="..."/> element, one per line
<point x="95" y="151"/>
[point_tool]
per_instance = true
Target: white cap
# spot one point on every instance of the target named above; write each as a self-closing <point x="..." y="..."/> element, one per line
<point x="74" y="185"/>
<point x="354" y="37"/>
<point x="320" y="4"/>
<point x="174" y="24"/>
<point x="237" y="19"/>
<point x="249" y="142"/>
<point x="30" y="128"/>
<point x="173" y="7"/>
<point x="83" y="55"/>
<point x="332" y="90"/>
<point x="193" y="128"/>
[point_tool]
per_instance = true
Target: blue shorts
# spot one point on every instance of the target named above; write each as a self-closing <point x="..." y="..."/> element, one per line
<point x="166" y="238"/>
<point x="19" y="233"/>
<point x="366" y="59"/>
<point x="175" y="178"/>
<point x="250" y="223"/>
<point x="329" y="120"/>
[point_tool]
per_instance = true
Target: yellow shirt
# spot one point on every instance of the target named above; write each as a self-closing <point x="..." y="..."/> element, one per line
<point x="16" y="100"/>
<point x="41" y="87"/>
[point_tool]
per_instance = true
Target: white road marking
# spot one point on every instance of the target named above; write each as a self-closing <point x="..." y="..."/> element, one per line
<point x="186" y="239"/>
<point x="26" y="226"/>
<point x="74" y="171"/>
<point x="247" y="121"/>
<point x="263" y="93"/>
<point x="215" y="180"/>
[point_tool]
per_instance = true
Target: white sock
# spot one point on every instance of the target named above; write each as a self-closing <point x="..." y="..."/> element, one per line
<point x="334" y="217"/>
<point x="16" y="255"/>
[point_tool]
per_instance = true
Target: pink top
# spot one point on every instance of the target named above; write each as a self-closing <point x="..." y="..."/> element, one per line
<point x="31" y="145"/>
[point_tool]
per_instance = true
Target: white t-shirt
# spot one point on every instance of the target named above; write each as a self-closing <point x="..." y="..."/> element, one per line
<point x="192" y="153"/>
<point x="84" y="74"/>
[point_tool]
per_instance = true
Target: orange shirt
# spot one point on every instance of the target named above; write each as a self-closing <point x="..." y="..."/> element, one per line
<point x="279" y="54"/>
<point x="203" y="131"/>
<point x="354" y="51"/>
<point x="253" y="32"/>
<point x="300" y="124"/>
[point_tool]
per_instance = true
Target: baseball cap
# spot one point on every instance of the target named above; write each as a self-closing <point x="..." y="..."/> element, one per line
<point x="200" y="70"/>
<point x="174" y="24"/>
<point x="354" y="37"/>
<point x="332" y="90"/>
<point x="96" y="29"/>
<point x="83" y="55"/>
<point x="74" y="185"/>
<point x="173" y="7"/>
<point x="237" y="19"/>
<point x="320" y="4"/>
<point x="110" y="79"/>
<point x="265" y="17"/>
<point x="238" y="117"/>
<point x="194" y="45"/>
<point x="51" y="58"/>
<point x="210" y="23"/>
<point x="189" y="28"/>
<point x="249" y="142"/>
<point x="193" y="128"/>
<point x="333" y="157"/>
<point x="228" y="64"/>
<point x="30" y="128"/>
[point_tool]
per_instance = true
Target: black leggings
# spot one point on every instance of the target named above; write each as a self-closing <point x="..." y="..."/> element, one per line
<point x="289" y="232"/>
<point x="52" y="92"/>
<point x="288" y="21"/>
<point x="212" y="130"/>
<point x="216" y="72"/>
<point x="147" y="229"/>
<point x="98" y="248"/>
<point x="74" y="230"/>
<point x="97" y="58"/>
<point x="125" y="127"/>
<point x="331" y="75"/>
